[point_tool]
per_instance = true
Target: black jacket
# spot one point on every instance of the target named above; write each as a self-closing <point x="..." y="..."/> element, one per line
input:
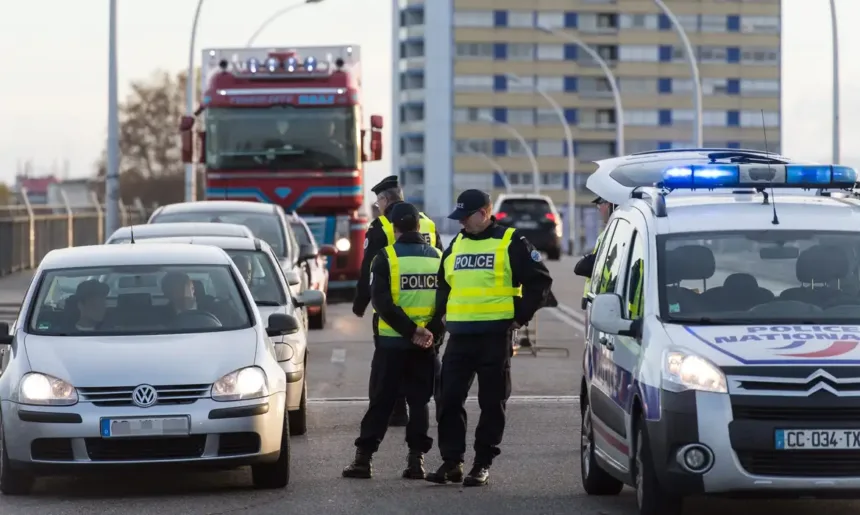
<point x="527" y="271"/>
<point x="374" y="241"/>
<point x="380" y="295"/>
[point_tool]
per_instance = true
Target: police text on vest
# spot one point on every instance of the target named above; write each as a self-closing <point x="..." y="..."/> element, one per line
<point x="475" y="262"/>
<point x="418" y="282"/>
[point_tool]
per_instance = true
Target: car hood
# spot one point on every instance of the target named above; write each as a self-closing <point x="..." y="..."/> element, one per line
<point x="734" y="345"/>
<point x="95" y="361"/>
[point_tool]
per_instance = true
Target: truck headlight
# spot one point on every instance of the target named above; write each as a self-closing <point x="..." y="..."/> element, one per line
<point x="243" y="384"/>
<point x="343" y="244"/>
<point x="44" y="390"/>
<point x="683" y="371"/>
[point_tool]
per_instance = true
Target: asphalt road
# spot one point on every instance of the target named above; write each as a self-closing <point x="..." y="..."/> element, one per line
<point x="537" y="473"/>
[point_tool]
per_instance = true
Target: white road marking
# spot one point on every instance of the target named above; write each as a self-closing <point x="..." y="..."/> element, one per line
<point x="338" y="355"/>
<point x="576" y="324"/>
<point x="571" y="312"/>
<point x="514" y="399"/>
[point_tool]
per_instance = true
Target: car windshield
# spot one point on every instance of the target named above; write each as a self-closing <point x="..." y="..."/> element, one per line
<point x="301" y="233"/>
<point x="259" y="273"/>
<point x="760" y="277"/>
<point x="534" y="207"/>
<point x="138" y="300"/>
<point x="265" y="226"/>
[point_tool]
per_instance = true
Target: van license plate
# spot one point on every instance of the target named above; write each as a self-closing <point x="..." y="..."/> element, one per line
<point x="526" y="225"/>
<point x="160" y="426"/>
<point x="816" y="439"/>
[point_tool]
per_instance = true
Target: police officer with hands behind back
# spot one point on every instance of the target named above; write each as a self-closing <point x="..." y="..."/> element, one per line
<point x="492" y="281"/>
<point x="379" y="235"/>
<point x="403" y="291"/>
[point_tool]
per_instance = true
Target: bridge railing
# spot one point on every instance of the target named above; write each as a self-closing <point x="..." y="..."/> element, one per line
<point x="28" y="231"/>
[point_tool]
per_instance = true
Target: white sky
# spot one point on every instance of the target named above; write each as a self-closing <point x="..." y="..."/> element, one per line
<point x="53" y="96"/>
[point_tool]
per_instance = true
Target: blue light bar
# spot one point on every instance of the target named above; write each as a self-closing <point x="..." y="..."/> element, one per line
<point x="713" y="176"/>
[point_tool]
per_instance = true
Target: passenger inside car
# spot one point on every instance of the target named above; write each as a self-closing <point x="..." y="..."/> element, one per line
<point x="88" y="305"/>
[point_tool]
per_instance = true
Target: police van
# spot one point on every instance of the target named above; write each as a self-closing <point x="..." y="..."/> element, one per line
<point x="723" y="330"/>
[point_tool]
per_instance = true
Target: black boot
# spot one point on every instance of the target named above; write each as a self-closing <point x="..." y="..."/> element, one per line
<point x="414" y="466"/>
<point x="399" y="417"/>
<point x="361" y="467"/>
<point x="449" y="472"/>
<point x="478" y="476"/>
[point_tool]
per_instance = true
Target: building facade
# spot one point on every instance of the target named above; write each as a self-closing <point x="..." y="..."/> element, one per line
<point x="456" y="109"/>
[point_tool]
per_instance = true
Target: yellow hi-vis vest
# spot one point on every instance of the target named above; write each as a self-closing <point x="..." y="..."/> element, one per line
<point x="413" y="286"/>
<point x="426" y="227"/>
<point x="588" y="279"/>
<point x="481" y="281"/>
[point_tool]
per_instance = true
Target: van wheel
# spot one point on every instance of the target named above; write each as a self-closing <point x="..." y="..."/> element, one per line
<point x="651" y="498"/>
<point x="277" y="474"/>
<point x="299" y="419"/>
<point x="318" y="321"/>
<point x="595" y="480"/>
<point x="12" y="482"/>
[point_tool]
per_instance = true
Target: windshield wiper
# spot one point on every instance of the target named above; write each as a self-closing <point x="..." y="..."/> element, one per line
<point x="267" y="303"/>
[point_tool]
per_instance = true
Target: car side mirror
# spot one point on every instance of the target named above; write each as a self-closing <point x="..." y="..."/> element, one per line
<point x="606" y="316"/>
<point x="293" y="278"/>
<point x="282" y="325"/>
<point x="328" y="250"/>
<point x="307" y="252"/>
<point x="310" y="298"/>
<point x="5" y="337"/>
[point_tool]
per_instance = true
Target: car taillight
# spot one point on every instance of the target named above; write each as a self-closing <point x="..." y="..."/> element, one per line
<point x="550" y="217"/>
<point x="501" y="214"/>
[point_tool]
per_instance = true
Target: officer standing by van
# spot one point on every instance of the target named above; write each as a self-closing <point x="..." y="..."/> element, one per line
<point x="403" y="292"/>
<point x="585" y="266"/>
<point x="379" y="235"/>
<point x="492" y="281"/>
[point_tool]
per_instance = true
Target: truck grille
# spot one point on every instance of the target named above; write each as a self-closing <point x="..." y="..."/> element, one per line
<point x="801" y="463"/>
<point x="110" y="396"/>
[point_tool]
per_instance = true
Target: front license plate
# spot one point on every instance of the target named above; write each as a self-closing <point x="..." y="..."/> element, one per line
<point x="816" y="439"/>
<point x="162" y="426"/>
<point x="526" y="225"/>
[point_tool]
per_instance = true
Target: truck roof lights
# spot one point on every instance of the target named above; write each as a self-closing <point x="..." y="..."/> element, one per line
<point x="716" y="176"/>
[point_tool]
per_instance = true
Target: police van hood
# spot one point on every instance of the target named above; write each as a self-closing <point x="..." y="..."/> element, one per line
<point x="734" y="345"/>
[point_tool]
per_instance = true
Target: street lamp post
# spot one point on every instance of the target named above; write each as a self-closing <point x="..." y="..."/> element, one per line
<point x="275" y="16"/>
<point x="610" y="77"/>
<point x="694" y="68"/>
<point x="835" y="33"/>
<point x="571" y="162"/>
<point x="112" y="171"/>
<point x="526" y="147"/>
<point x="493" y="163"/>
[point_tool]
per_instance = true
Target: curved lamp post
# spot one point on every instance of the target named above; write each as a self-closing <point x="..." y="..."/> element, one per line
<point x="526" y="147"/>
<point x="275" y="16"/>
<point x="492" y="162"/>
<point x="836" y="135"/>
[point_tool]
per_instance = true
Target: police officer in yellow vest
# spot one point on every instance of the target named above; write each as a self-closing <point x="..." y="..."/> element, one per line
<point x="492" y="281"/>
<point x="403" y="292"/>
<point x="585" y="266"/>
<point x="379" y="235"/>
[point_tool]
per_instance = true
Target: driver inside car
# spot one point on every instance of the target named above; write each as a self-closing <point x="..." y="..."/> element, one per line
<point x="90" y="303"/>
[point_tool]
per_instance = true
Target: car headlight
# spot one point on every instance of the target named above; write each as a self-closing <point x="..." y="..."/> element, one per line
<point x="44" y="390"/>
<point x="245" y="383"/>
<point x="683" y="371"/>
<point x="343" y="244"/>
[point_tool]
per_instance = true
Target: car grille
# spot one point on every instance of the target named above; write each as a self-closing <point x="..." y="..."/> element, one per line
<point x="145" y="449"/>
<point x="233" y="444"/>
<point x="801" y="463"/>
<point x="795" y="414"/>
<point x="110" y="396"/>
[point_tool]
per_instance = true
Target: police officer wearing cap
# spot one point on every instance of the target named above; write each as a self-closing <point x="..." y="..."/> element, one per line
<point x="491" y="282"/>
<point x="585" y="266"/>
<point x="403" y="293"/>
<point x="380" y="234"/>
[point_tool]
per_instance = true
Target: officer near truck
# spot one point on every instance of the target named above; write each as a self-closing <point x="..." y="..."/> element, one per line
<point x="380" y="234"/>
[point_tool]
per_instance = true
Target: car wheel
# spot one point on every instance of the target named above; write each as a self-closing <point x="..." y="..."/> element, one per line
<point x="595" y="480"/>
<point x="277" y="474"/>
<point x="318" y="321"/>
<point x="12" y="482"/>
<point x="651" y="498"/>
<point x="299" y="418"/>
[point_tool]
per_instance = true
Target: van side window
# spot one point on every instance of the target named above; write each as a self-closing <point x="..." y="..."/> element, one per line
<point x="605" y="242"/>
<point x="616" y="256"/>
<point x="633" y="293"/>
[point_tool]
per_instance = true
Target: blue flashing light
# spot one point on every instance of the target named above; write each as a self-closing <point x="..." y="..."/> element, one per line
<point x="253" y="65"/>
<point x="844" y="175"/>
<point x="805" y="174"/>
<point x="291" y="64"/>
<point x="701" y="176"/>
<point x="310" y="64"/>
<point x="272" y="64"/>
<point x="713" y="176"/>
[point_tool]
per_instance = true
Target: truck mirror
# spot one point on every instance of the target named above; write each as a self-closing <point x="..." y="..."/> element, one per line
<point x="201" y="158"/>
<point x="376" y="122"/>
<point x="187" y="146"/>
<point x="375" y="146"/>
<point x="186" y="123"/>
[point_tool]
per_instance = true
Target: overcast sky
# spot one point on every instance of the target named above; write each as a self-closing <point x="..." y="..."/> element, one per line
<point x="53" y="96"/>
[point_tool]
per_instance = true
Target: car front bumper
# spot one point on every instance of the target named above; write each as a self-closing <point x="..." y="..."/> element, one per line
<point x="54" y="439"/>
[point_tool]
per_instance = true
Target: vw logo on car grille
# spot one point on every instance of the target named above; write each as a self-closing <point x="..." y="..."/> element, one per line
<point x="144" y="396"/>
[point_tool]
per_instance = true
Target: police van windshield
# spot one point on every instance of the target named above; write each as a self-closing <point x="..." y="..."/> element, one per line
<point x="753" y="277"/>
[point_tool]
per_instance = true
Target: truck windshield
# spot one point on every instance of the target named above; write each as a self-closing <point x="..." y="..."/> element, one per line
<point x="282" y="138"/>
<point x="760" y="277"/>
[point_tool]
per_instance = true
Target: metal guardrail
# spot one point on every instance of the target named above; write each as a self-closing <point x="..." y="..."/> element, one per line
<point x="28" y="232"/>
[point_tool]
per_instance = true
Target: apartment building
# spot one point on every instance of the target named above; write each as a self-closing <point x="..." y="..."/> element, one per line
<point x="456" y="108"/>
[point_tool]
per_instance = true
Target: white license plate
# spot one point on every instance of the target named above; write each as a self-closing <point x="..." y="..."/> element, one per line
<point x="815" y="439"/>
<point x="125" y="427"/>
<point x="526" y="225"/>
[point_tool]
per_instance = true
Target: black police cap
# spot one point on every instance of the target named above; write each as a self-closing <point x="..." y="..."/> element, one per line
<point x="404" y="216"/>
<point x="468" y="203"/>
<point x="392" y="181"/>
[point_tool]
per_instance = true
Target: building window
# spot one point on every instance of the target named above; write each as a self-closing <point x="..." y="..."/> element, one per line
<point x="553" y="180"/>
<point x="638" y="86"/>
<point x="411" y="17"/>
<point x="474" y="19"/>
<point x="475" y="50"/>
<point x="595" y="150"/>
<point x="521" y="116"/>
<point x="714" y="23"/>
<point x="760" y="56"/>
<point x="642" y="117"/>
<point x="679" y="55"/>
<point x="594" y="86"/>
<point x="551" y="19"/>
<point x="639" y="21"/>
<point x="551" y="84"/>
<point x="631" y="147"/>
<point x="551" y="148"/>
<point x="412" y="145"/>
<point x="714" y="118"/>
<point x="472" y="114"/>
<point x="607" y="21"/>
<point x="760" y="24"/>
<point x="548" y="52"/>
<point x="413" y="48"/>
<point x="521" y="19"/>
<point x="516" y="149"/>
<point x="411" y="113"/>
<point x="637" y="53"/>
<point x="714" y="86"/>
<point x="546" y="116"/>
<point x="411" y="81"/>
<point x="759" y="87"/>
<point x="597" y="118"/>
<point x="521" y="51"/>
<point x="683" y="116"/>
<point x="473" y="146"/>
<point x="473" y="83"/>
<point x="754" y="119"/>
<point x="712" y="54"/>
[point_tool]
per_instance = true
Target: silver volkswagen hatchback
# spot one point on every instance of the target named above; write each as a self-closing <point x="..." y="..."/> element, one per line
<point x="128" y="370"/>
